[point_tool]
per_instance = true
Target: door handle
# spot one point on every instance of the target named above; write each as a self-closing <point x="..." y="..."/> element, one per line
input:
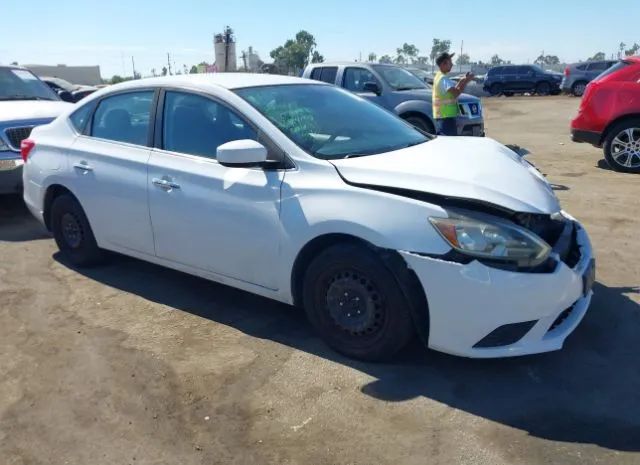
<point x="165" y="183"/>
<point x="83" y="165"/>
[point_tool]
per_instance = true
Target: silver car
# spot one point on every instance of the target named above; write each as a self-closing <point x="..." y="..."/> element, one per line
<point x="399" y="91"/>
<point x="578" y="75"/>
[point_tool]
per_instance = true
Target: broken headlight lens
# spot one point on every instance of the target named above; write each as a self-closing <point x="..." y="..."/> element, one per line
<point x="494" y="240"/>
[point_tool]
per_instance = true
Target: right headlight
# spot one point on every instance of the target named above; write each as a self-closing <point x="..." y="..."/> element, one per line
<point x="494" y="240"/>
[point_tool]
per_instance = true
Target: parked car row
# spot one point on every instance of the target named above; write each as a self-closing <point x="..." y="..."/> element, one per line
<point x="66" y="91"/>
<point x="305" y="193"/>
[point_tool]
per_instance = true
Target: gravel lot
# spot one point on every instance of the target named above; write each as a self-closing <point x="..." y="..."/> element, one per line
<point x="134" y="364"/>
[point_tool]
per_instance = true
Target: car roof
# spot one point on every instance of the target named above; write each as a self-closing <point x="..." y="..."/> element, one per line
<point x="348" y="63"/>
<point x="228" y="81"/>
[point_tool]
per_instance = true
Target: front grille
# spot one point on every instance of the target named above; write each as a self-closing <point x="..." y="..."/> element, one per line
<point x="469" y="109"/>
<point x="505" y="335"/>
<point x="573" y="254"/>
<point x="544" y="226"/>
<point x="17" y="135"/>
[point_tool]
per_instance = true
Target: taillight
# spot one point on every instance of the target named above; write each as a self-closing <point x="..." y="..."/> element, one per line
<point x="26" y="146"/>
<point x="567" y="71"/>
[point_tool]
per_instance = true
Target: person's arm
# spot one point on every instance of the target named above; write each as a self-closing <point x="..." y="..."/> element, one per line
<point x="461" y="85"/>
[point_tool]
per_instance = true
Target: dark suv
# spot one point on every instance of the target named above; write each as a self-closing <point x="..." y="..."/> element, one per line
<point x="509" y="80"/>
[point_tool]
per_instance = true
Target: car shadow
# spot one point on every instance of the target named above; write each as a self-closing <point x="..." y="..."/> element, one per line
<point x="16" y="222"/>
<point x="586" y="393"/>
<point x="559" y="187"/>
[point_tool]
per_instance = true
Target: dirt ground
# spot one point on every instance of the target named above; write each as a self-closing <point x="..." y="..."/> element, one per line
<point x="134" y="364"/>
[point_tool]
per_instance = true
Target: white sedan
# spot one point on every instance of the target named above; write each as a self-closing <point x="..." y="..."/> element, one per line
<point x="309" y="195"/>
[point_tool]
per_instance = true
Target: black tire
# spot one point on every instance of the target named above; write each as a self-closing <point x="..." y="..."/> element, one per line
<point x="347" y="280"/>
<point x="72" y="232"/>
<point x="495" y="89"/>
<point x="543" y="88"/>
<point x="421" y="123"/>
<point x="508" y="94"/>
<point x="578" y="88"/>
<point x="618" y="137"/>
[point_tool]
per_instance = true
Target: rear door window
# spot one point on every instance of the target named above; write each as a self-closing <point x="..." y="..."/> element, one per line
<point x="124" y="118"/>
<point x="329" y="74"/>
<point x="598" y="66"/>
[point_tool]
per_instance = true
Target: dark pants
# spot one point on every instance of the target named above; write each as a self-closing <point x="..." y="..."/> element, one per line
<point x="447" y="126"/>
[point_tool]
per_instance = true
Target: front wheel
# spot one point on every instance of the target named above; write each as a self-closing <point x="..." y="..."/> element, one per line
<point x="355" y="303"/>
<point x="420" y="123"/>
<point x="495" y="89"/>
<point x="622" y="146"/>
<point x="72" y="232"/>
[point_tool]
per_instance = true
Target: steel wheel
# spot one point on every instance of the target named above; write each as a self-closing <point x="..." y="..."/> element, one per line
<point x="71" y="230"/>
<point x="579" y="88"/>
<point x="354" y="303"/>
<point x="625" y="148"/>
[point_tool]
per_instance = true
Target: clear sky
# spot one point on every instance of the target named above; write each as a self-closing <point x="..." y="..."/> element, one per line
<point x="110" y="32"/>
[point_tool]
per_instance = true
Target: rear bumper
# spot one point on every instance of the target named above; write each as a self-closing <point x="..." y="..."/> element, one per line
<point x="10" y="173"/>
<point x="589" y="137"/>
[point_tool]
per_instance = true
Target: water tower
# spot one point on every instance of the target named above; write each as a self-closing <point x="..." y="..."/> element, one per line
<point x="225" y="48"/>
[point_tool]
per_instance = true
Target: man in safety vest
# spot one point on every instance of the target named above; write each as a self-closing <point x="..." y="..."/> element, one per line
<point x="445" y="96"/>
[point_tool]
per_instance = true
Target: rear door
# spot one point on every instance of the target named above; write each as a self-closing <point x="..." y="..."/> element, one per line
<point x="526" y="78"/>
<point x="509" y="78"/>
<point x="325" y="74"/>
<point x="596" y="68"/>
<point x="108" y="166"/>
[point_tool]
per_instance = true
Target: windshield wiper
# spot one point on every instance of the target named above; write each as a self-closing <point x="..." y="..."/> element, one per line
<point x="24" y="97"/>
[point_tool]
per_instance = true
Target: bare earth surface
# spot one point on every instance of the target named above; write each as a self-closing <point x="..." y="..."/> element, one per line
<point x="134" y="364"/>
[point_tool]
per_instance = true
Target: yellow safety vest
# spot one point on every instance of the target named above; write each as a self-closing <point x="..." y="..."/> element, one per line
<point x="444" y="104"/>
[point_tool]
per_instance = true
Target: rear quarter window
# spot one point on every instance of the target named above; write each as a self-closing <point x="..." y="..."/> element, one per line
<point x="79" y="118"/>
<point x="581" y="67"/>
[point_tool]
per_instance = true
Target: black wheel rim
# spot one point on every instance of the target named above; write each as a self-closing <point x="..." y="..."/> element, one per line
<point x="543" y="88"/>
<point x="71" y="230"/>
<point x="580" y="89"/>
<point x="354" y="303"/>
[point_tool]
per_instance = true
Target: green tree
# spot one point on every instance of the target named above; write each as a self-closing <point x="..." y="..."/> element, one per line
<point x="386" y="59"/>
<point x="408" y="53"/>
<point x="193" y="70"/>
<point x="621" y="48"/>
<point x="439" y="47"/>
<point x="116" y="79"/>
<point x="372" y="58"/>
<point x="164" y="70"/>
<point x="496" y="60"/>
<point x="297" y="53"/>
<point x="597" y="57"/>
<point x="463" y="59"/>
<point x="633" y="50"/>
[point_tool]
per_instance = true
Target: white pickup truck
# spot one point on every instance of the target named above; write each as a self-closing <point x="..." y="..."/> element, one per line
<point x="25" y="102"/>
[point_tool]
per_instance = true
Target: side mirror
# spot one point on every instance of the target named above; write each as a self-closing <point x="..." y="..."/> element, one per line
<point x="371" y="87"/>
<point x="241" y="153"/>
<point x="65" y="95"/>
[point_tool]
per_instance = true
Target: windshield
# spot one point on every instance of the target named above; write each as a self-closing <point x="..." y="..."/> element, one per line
<point x="399" y="78"/>
<point x="66" y="85"/>
<point x="20" y="84"/>
<point x="331" y="123"/>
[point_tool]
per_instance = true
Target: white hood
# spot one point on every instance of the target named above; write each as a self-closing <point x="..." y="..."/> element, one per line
<point x="462" y="167"/>
<point x="22" y="110"/>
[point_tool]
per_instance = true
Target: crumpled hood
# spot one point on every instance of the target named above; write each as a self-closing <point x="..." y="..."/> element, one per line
<point x="24" y="110"/>
<point x="462" y="167"/>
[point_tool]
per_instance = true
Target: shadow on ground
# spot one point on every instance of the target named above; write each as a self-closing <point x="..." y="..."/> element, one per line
<point x="16" y="222"/>
<point x="586" y="393"/>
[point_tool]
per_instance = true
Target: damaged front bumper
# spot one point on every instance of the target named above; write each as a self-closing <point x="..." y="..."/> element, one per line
<point x="483" y="312"/>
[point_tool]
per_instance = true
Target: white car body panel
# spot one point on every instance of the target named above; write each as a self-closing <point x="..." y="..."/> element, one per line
<point x="245" y="227"/>
<point x="33" y="110"/>
<point x="461" y="167"/>
<point x="219" y="219"/>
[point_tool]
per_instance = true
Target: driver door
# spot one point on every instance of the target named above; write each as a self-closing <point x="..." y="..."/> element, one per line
<point x="205" y="215"/>
<point x="354" y="79"/>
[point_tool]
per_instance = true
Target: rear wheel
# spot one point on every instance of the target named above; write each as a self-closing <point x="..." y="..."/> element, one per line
<point x="622" y="146"/>
<point x="495" y="89"/>
<point x="543" y="88"/>
<point x="72" y="232"/>
<point x="355" y="303"/>
<point x="508" y="94"/>
<point x="579" y="88"/>
<point x="421" y="123"/>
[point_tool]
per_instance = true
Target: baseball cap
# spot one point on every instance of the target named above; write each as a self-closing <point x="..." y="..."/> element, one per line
<point x="444" y="56"/>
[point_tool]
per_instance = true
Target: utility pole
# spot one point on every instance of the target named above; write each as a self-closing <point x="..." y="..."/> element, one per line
<point x="133" y="66"/>
<point x="227" y="40"/>
<point x="244" y="60"/>
<point x="124" y="71"/>
<point x="169" y="64"/>
<point x="459" y="58"/>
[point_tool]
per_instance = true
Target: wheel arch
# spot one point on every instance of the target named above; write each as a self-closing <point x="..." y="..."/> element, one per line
<point x="52" y="192"/>
<point x="421" y="115"/>
<point x="406" y="278"/>
<point x="615" y="122"/>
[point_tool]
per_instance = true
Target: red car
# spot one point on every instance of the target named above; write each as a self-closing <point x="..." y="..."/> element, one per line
<point x="609" y="115"/>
